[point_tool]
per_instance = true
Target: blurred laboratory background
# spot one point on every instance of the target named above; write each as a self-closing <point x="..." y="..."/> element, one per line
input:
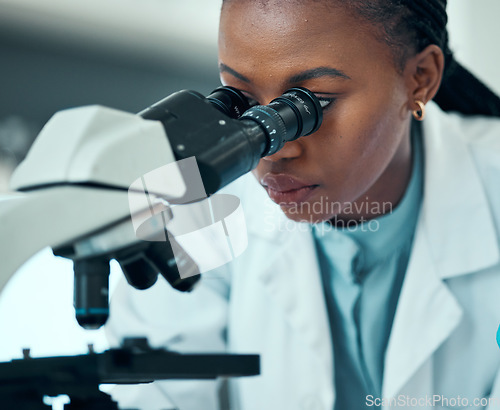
<point x="126" y="54"/>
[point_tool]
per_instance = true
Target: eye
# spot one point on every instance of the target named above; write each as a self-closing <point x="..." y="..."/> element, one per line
<point x="326" y="102"/>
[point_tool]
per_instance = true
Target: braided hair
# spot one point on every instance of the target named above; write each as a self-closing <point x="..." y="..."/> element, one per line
<point x="420" y="23"/>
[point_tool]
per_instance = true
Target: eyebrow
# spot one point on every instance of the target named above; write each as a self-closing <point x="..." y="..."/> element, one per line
<point x="316" y="73"/>
<point x="224" y="68"/>
<point x="297" y="78"/>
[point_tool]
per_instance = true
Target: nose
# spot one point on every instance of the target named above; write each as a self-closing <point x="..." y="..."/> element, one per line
<point x="291" y="149"/>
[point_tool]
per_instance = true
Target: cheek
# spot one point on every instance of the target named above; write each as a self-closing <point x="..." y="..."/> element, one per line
<point x="355" y="145"/>
<point x="258" y="172"/>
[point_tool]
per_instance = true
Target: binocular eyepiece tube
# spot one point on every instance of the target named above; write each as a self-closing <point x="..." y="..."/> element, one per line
<point x="296" y="113"/>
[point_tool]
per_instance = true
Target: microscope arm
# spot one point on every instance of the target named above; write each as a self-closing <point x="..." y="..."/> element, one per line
<point x="53" y="217"/>
<point x="76" y="178"/>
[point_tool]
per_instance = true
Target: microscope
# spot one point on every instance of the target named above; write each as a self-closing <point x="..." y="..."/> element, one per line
<point x="101" y="184"/>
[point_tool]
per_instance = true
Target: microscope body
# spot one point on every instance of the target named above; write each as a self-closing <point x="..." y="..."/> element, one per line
<point x="92" y="173"/>
<point x="100" y="184"/>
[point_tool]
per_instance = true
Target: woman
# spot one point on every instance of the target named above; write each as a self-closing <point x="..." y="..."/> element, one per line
<point x="375" y="282"/>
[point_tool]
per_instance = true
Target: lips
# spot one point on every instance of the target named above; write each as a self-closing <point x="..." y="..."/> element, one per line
<point x="287" y="190"/>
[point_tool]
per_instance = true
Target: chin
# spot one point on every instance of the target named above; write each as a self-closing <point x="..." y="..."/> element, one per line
<point x="294" y="213"/>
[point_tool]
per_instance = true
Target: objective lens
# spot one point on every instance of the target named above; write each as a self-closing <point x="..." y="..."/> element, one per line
<point x="91" y="292"/>
<point x="138" y="271"/>
<point x="161" y="255"/>
<point x="296" y="113"/>
<point x="230" y="101"/>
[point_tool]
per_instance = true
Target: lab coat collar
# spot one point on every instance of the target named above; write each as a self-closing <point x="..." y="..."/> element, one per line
<point x="455" y="235"/>
<point x="455" y="212"/>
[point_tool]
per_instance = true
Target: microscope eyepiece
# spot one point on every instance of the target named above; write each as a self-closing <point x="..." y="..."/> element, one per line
<point x="296" y="113"/>
<point x="227" y="135"/>
<point x="230" y="101"/>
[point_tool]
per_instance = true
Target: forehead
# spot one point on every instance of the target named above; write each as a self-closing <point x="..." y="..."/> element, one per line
<point x="278" y="36"/>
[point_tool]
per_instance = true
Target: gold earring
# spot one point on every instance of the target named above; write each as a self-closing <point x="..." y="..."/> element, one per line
<point x="420" y="113"/>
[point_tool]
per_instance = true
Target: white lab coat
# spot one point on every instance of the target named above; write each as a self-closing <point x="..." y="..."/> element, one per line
<point x="271" y="300"/>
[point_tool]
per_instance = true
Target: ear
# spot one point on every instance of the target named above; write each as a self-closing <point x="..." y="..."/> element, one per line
<point x="423" y="74"/>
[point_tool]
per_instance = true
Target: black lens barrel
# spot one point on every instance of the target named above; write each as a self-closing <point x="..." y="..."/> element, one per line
<point x="308" y="107"/>
<point x="294" y="114"/>
<point x="230" y="101"/>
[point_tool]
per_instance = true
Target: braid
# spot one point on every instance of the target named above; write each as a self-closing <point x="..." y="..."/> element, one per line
<point x="424" y="23"/>
<point x="460" y="90"/>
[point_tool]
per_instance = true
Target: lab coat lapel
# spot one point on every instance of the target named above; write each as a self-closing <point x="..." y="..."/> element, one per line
<point x="454" y="236"/>
<point x="291" y="271"/>
<point x="292" y="277"/>
<point x="426" y="315"/>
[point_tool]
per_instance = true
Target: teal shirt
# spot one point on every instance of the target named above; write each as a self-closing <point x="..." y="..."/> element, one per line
<point x="363" y="268"/>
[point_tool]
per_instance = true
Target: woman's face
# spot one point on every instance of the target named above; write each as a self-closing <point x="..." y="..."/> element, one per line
<point x="361" y="152"/>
